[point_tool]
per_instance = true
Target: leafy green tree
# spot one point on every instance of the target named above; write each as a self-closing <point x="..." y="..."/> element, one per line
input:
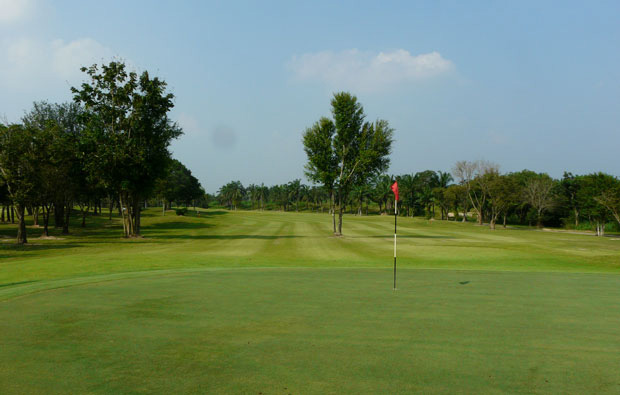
<point x="262" y="195"/>
<point x="538" y="193"/>
<point x="232" y="194"/>
<point x="455" y="197"/>
<point x="18" y="171"/>
<point x="360" y="194"/>
<point x="444" y="179"/>
<point x="592" y="196"/>
<point x="322" y="166"/>
<point x="381" y="192"/>
<point x="503" y="193"/>
<point x="295" y="191"/>
<point x="178" y="185"/>
<point x="408" y="191"/>
<point x="129" y="128"/>
<point x="60" y="158"/>
<point x="358" y="149"/>
<point x="570" y="185"/>
<point x="425" y="181"/>
<point x="610" y="199"/>
<point x="470" y="175"/>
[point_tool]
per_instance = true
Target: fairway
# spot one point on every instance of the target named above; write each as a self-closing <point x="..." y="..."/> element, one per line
<point x="252" y="302"/>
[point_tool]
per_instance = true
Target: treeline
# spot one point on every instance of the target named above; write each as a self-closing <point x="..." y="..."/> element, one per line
<point x="347" y="157"/>
<point x="472" y="191"/>
<point x="109" y="147"/>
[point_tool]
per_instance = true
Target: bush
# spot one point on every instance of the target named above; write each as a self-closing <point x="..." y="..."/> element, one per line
<point x="181" y="211"/>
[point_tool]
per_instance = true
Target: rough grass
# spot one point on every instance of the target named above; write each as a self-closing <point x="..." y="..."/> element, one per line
<point x="254" y="302"/>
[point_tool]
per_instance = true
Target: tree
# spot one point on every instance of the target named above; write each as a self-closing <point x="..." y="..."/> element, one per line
<point x="232" y="194"/>
<point x="570" y="185"/>
<point x="503" y="193"/>
<point x="424" y="182"/>
<point x="359" y="149"/>
<point x="407" y="188"/>
<point x="444" y="179"/>
<point x="18" y="171"/>
<point x="322" y="166"/>
<point x="60" y="153"/>
<point x="381" y="192"/>
<point x="129" y="129"/>
<point x="456" y="197"/>
<point x="294" y="192"/>
<point x="596" y="197"/>
<point x="359" y="194"/>
<point x="470" y="175"/>
<point x="178" y="185"/>
<point x="538" y="193"/>
<point x="610" y="199"/>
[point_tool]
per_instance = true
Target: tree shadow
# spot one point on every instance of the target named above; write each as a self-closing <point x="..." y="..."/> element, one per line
<point x="407" y="237"/>
<point x="17" y="283"/>
<point x="214" y="212"/>
<point x="223" y="237"/>
<point x="34" y="247"/>
<point x="172" y="225"/>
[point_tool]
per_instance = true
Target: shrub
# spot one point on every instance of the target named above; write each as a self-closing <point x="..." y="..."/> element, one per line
<point x="181" y="211"/>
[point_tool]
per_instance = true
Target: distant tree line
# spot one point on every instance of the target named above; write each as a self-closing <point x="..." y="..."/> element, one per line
<point x="473" y="191"/>
<point x="107" y="147"/>
<point x="347" y="158"/>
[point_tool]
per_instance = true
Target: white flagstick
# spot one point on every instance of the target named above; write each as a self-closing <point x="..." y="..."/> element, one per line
<point x="395" y="216"/>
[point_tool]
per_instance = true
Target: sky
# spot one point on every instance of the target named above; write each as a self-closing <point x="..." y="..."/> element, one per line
<point x="528" y="85"/>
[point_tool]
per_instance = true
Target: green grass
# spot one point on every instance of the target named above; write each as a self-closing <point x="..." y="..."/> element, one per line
<point x="253" y="302"/>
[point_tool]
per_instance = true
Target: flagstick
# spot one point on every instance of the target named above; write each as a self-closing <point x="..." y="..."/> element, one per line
<point x="395" y="216"/>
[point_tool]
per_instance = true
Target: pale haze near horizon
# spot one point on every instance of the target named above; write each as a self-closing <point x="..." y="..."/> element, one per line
<point x="526" y="85"/>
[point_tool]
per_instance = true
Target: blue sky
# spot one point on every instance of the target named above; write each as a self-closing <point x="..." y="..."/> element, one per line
<point x="525" y="84"/>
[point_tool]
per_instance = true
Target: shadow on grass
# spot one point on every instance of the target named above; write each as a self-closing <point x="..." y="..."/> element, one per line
<point x="407" y="237"/>
<point x="17" y="283"/>
<point x="222" y="237"/>
<point x="214" y="212"/>
<point x="189" y="213"/>
<point x="172" y="225"/>
<point x="30" y="247"/>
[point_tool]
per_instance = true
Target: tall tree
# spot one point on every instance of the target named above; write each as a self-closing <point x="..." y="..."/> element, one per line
<point x="18" y="171"/>
<point x="538" y="193"/>
<point x="60" y="154"/>
<point x="570" y="187"/>
<point x="358" y="149"/>
<point x="129" y="126"/>
<point x="503" y="193"/>
<point x="470" y="175"/>
<point x="322" y="166"/>
<point x="596" y="198"/>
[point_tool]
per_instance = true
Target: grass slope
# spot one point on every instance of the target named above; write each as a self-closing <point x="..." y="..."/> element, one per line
<point x="254" y="302"/>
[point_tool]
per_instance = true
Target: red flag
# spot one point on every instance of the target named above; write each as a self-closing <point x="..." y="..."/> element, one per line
<point x="395" y="189"/>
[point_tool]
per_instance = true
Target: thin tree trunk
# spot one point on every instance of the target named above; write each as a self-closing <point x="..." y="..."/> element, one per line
<point x="504" y="221"/>
<point x="84" y="216"/>
<point x="65" y="225"/>
<point x="340" y="213"/>
<point x="46" y="220"/>
<point x="21" y="228"/>
<point x="333" y="210"/>
<point x="576" y="218"/>
<point x="136" y="213"/>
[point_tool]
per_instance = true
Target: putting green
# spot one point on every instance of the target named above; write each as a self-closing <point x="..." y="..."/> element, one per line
<point x="317" y="330"/>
